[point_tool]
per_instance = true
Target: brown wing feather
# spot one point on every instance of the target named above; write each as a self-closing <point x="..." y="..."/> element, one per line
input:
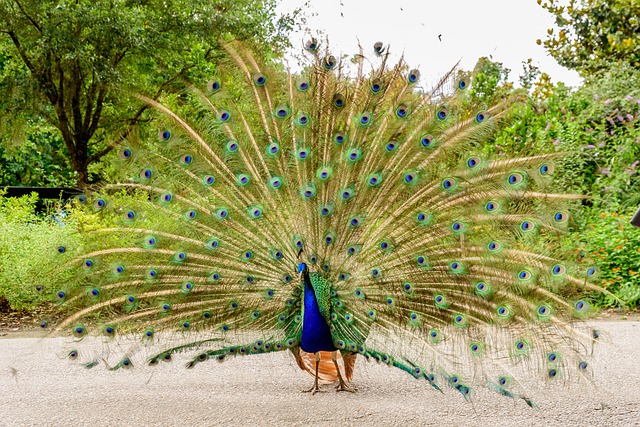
<point x="326" y="370"/>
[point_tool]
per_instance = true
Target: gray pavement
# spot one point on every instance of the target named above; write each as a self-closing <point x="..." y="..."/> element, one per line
<point x="37" y="388"/>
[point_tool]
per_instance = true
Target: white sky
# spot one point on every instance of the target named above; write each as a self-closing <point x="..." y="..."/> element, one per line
<point x="505" y="29"/>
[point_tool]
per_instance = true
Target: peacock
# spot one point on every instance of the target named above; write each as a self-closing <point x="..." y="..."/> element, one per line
<point x="338" y="211"/>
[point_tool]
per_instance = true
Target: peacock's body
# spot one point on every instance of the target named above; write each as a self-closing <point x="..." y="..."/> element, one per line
<point x="319" y="213"/>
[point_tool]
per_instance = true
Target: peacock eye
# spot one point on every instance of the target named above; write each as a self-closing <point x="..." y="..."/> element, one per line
<point x="426" y="141"/>
<point x="413" y="76"/>
<point x="259" y="79"/>
<point x="213" y="86"/>
<point x="224" y="116"/>
<point x="329" y="62"/>
<point x="402" y="111"/>
<point x="448" y="184"/>
<point x="164" y="135"/>
<point x="302" y="85"/>
<point x="311" y="45"/>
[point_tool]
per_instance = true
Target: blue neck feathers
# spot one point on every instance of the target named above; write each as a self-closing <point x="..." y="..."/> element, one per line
<point x="316" y="335"/>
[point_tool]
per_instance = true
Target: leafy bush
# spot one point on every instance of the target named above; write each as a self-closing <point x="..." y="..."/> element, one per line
<point x="615" y="246"/>
<point x="597" y="130"/>
<point x="597" y="126"/>
<point x="31" y="268"/>
<point x="28" y="245"/>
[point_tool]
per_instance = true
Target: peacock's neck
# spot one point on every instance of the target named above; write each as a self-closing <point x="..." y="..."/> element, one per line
<point x="316" y="335"/>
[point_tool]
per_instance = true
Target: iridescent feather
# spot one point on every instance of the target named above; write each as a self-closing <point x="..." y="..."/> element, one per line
<point x="424" y="253"/>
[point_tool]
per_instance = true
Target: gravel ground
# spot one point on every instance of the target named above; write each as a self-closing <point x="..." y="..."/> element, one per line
<point x="37" y="388"/>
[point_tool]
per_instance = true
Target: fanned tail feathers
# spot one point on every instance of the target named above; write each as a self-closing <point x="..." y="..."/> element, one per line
<point x="442" y="261"/>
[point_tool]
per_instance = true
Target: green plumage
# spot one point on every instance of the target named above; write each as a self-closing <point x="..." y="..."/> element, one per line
<point x="322" y="290"/>
<point x="424" y="253"/>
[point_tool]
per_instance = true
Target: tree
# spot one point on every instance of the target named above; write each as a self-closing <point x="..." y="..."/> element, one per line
<point x="35" y="156"/>
<point x="594" y="34"/>
<point x="490" y="81"/>
<point x="64" y="60"/>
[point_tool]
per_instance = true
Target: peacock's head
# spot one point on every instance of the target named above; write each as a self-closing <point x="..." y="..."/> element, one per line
<point x="302" y="268"/>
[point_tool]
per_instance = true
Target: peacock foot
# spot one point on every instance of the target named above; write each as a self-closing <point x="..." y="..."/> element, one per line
<point x="313" y="390"/>
<point x="343" y="386"/>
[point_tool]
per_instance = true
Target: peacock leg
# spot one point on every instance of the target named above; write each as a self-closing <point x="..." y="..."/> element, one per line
<point x="315" y="387"/>
<point x="342" y="385"/>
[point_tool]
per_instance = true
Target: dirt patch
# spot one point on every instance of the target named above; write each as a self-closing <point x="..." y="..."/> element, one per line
<point x="23" y="321"/>
<point x="612" y="314"/>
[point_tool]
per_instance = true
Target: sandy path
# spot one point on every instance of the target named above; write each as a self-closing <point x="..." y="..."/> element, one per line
<point x="37" y="388"/>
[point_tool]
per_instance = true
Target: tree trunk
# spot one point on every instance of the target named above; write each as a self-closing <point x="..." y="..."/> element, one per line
<point x="79" y="164"/>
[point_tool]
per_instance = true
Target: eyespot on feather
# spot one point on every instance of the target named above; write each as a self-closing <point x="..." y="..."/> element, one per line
<point x="214" y="85"/>
<point x="413" y="76"/>
<point x="311" y="45"/>
<point x="259" y="79"/>
<point x="329" y="62"/>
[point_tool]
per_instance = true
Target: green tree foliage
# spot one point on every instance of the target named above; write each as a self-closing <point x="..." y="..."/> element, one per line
<point x="594" y="34"/>
<point x="62" y="60"/>
<point x="599" y="125"/>
<point x="33" y="156"/>
<point x="490" y="81"/>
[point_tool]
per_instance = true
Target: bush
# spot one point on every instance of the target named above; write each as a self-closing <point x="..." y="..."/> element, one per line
<point x="615" y="246"/>
<point x="32" y="270"/>
<point x="597" y="127"/>
<point x="28" y="245"/>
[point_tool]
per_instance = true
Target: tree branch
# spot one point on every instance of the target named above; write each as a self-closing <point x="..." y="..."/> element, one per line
<point x="91" y="94"/>
<point x="75" y="102"/>
<point x="33" y="22"/>
<point x="95" y="119"/>
<point x="97" y="156"/>
<point x="21" y="52"/>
